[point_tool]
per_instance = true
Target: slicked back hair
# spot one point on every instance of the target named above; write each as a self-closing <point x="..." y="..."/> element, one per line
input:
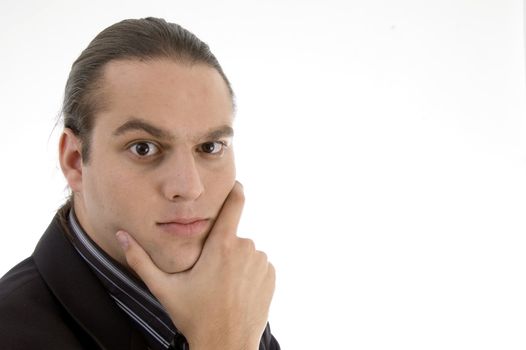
<point x="141" y="39"/>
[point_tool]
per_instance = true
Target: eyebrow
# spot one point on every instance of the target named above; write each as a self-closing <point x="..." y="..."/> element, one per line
<point x="223" y="131"/>
<point x="142" y="125"/>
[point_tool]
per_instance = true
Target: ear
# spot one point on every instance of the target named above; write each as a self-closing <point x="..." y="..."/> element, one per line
<point x="70" y="155"/>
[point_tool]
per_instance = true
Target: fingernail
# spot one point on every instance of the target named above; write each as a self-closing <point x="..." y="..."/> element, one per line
<point x="122" y="238"/>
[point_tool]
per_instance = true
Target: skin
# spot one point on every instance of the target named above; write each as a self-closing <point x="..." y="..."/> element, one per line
<point x="120" y="190"/>
<point x="161" y="150"/>
<point x="223" y="301"/>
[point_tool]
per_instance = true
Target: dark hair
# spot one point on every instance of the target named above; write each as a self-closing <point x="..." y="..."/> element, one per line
<point x="141" y="39"/>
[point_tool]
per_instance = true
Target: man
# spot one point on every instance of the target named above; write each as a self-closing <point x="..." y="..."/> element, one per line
<point x="145" y="253"/>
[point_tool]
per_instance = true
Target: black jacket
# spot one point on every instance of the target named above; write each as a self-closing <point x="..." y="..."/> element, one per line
<point x="52" y="300"/>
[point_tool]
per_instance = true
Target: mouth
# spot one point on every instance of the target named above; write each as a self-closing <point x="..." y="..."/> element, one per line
<point x="185" y="227"/>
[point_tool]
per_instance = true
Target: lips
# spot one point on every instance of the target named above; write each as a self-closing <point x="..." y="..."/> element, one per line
<point x="184" y="227"/>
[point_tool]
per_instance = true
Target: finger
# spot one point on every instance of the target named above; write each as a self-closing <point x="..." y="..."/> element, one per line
<point x="139" y="261"/>
<point x="228" y="219"/>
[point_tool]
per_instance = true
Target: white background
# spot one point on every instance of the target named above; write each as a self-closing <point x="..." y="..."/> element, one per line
<point x="381" y="145"/>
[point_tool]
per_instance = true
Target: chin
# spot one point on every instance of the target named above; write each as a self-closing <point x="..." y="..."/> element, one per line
<point x="183" y="262"/>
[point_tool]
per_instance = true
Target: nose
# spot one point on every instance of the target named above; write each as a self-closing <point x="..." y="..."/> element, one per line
<point x="182" y="181"/>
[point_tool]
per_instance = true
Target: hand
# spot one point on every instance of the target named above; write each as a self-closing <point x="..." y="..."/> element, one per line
<point x="222" y="302"/>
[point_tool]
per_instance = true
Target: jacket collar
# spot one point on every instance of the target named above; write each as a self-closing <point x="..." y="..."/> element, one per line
<point x="81" y="294"/>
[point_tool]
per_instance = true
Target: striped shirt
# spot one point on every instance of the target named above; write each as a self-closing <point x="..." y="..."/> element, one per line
<point x="130" y="295"/>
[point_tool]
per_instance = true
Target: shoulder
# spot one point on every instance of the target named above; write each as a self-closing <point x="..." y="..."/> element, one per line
<point x="30" y="317"/>
<point x="21" y="280"/>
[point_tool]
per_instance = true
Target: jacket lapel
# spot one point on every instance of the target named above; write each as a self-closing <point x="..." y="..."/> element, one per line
<point x="81" y="294"/>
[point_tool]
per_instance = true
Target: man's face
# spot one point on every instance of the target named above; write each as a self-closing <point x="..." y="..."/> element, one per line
<point x="161" y="160"/>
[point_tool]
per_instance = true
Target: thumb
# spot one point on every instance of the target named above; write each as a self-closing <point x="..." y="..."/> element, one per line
<point x="228" y="219"/>
<point x="140" y="262"/>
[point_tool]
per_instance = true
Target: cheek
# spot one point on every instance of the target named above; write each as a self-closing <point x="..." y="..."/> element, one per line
<point x="112" y="193"/>
<point x="219" y="183"/>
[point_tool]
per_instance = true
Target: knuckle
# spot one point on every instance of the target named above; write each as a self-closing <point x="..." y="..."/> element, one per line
<point x="238" y="194"/>
<point x="271" y="271"/>
<point x="248" y="244"/>
<point x="226" y="247"/>
<point x="227" y="243"/>
<point x="263" y="256"/>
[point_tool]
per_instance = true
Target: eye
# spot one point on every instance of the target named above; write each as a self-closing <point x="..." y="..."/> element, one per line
<point x="144" y="149"/>
<point x="215" y="147"/>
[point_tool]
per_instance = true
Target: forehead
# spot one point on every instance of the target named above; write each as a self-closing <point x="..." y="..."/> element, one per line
<point x="179" y="97"/>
